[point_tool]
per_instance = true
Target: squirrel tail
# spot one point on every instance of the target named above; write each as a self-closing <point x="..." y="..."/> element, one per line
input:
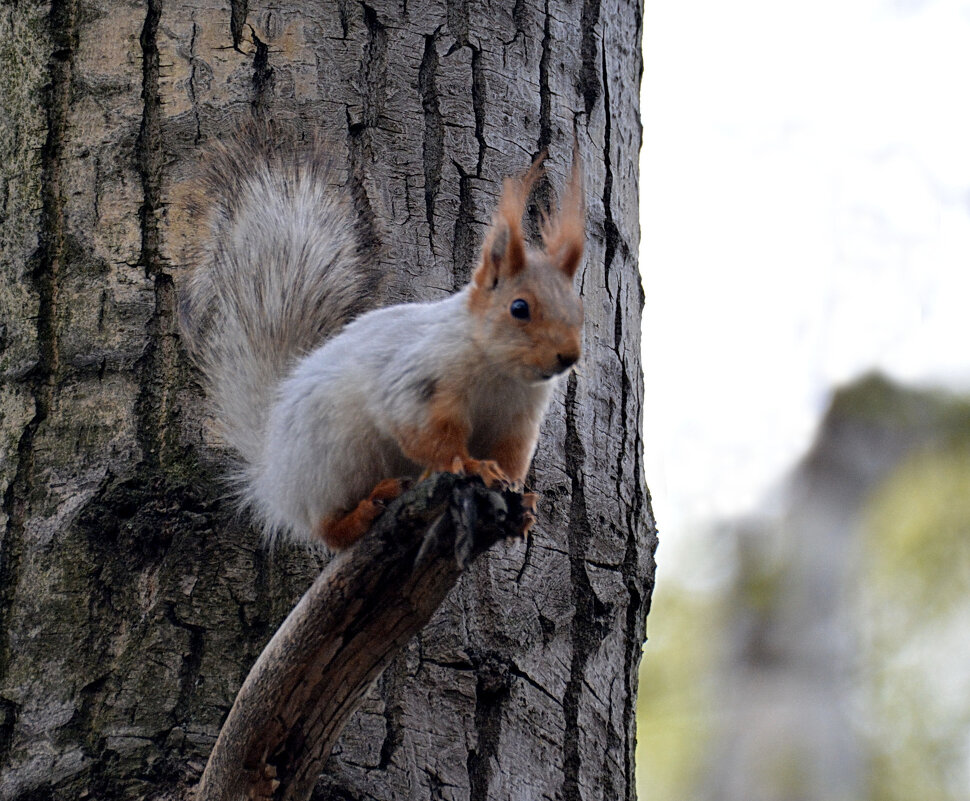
<point x="284" y="267"/>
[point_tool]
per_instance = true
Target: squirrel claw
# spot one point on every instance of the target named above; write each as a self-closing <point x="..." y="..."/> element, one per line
<point x="528" y="512"/>
<point x="528" y="521"/>
<point x="493" y="475"/>
<point x="486" y="469"/>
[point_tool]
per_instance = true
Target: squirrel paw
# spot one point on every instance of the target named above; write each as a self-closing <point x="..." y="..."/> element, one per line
<point x="388" y="490"/>
<point x="265" y="784"/>
<point x="488" y="470"/>
<point x="341" y="532"/>
<point x="528" y="512"/>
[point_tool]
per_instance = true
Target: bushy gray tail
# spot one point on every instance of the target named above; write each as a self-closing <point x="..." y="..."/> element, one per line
<point x="284" y="268"/>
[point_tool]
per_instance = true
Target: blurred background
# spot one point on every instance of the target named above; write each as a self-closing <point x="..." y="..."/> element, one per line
<point x="806" y="263"/>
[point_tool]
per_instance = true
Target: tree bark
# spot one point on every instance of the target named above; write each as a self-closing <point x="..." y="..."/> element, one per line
<point x="133" y="599"/>
<point x="356" y="616"/>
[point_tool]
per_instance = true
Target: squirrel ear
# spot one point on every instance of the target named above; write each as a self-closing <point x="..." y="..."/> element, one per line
<point x="503" y="254"/>
<point x="564" y="235"/>
<point x="494" y="262"/>
<point x="498" y="245"/>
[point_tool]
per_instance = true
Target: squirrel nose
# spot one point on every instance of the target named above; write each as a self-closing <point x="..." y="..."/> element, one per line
<point x="566" y="360"/>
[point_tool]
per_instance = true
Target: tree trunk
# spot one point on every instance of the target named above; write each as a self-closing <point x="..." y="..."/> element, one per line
<point x="133" y="599"/>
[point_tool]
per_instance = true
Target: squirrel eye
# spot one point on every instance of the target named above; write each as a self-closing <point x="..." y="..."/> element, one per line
<point x="519" y="309"/>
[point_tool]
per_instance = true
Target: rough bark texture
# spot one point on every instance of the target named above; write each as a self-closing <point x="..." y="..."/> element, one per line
<point x="133" y="601"/>
<point x="357" y="615"/>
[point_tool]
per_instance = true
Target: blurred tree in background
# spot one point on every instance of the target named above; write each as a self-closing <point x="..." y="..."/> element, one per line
<point x="915" y="609"/>
<point x="820" y="653"/>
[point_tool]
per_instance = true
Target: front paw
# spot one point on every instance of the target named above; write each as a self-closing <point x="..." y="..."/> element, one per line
<point x="492" y="474"/>
<point x="529" y="500"/>
<point x="488" y="470"/>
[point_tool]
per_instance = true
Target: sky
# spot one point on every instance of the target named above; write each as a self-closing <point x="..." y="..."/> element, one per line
<point x="805" y="181"/>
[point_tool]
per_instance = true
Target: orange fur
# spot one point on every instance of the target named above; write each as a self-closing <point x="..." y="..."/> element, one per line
<point x="442" y="444"/>
<point x="445" y="435"/>
<point x="503" y="252"/>
<point x="508" y="270"/>
<point x="488" y="469"/>
<point x="513" y="454"/>
<point x="529" y="500"/>
<point x="342" y="532"/>
<point x="564" y="235"/>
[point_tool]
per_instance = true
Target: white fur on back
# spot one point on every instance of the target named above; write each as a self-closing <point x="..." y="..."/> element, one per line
<point x="282" y="272"/>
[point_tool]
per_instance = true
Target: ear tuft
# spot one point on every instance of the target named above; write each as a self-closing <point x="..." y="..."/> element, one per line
<point x="498" y="243"/>
<point x="564" y="235"/>
<point x="503" y="254"/>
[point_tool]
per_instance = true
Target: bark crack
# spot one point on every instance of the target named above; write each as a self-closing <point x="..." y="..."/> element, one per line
<point x="434" y="130"/>
<point x="263" y="74"/>
<point x="542" y="193"/>
<point x="611" y="232"/>
<point x="153" y="407"/>
<point x="392" y="683"/>
<point x="520" y="21"/>
<point x="458" y="24"/>
<point x="238" y="11"/>
<point x="589" y="81"/>
<point x="491" y="692"/>
<point x="9" y="712"/>
<point x="193" y="96"/>
<point x="463" y="238"/>
<point x="463" y="247"/>
<point x="45" y="270"/>
<point x="190" y="668"/>
<point x="586" y="628"/>
<point x="545" y="93"/>
<point x="479" y="96"/>
<point x="456" y="14"/>
<point x="521" y="674"/>
<point x="373" y="68"/>
<point x="147" y="154"/>
<point x="343" y="11"/>
<point x="638" y="586"/>
<point x="624" y="394"/>
<point x="633" y="581"/>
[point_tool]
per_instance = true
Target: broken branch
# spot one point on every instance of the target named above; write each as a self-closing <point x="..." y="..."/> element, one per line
<point x="359" y="612"/>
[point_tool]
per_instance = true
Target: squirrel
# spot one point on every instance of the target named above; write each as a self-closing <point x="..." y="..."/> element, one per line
<point x="333" y="407"/>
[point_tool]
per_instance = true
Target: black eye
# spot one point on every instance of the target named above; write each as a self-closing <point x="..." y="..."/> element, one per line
<point x="519" y="309"/>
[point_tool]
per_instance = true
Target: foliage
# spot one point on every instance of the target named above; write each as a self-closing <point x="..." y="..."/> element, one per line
<point x="674" y="721"/>
<point x="914" y="624"/>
